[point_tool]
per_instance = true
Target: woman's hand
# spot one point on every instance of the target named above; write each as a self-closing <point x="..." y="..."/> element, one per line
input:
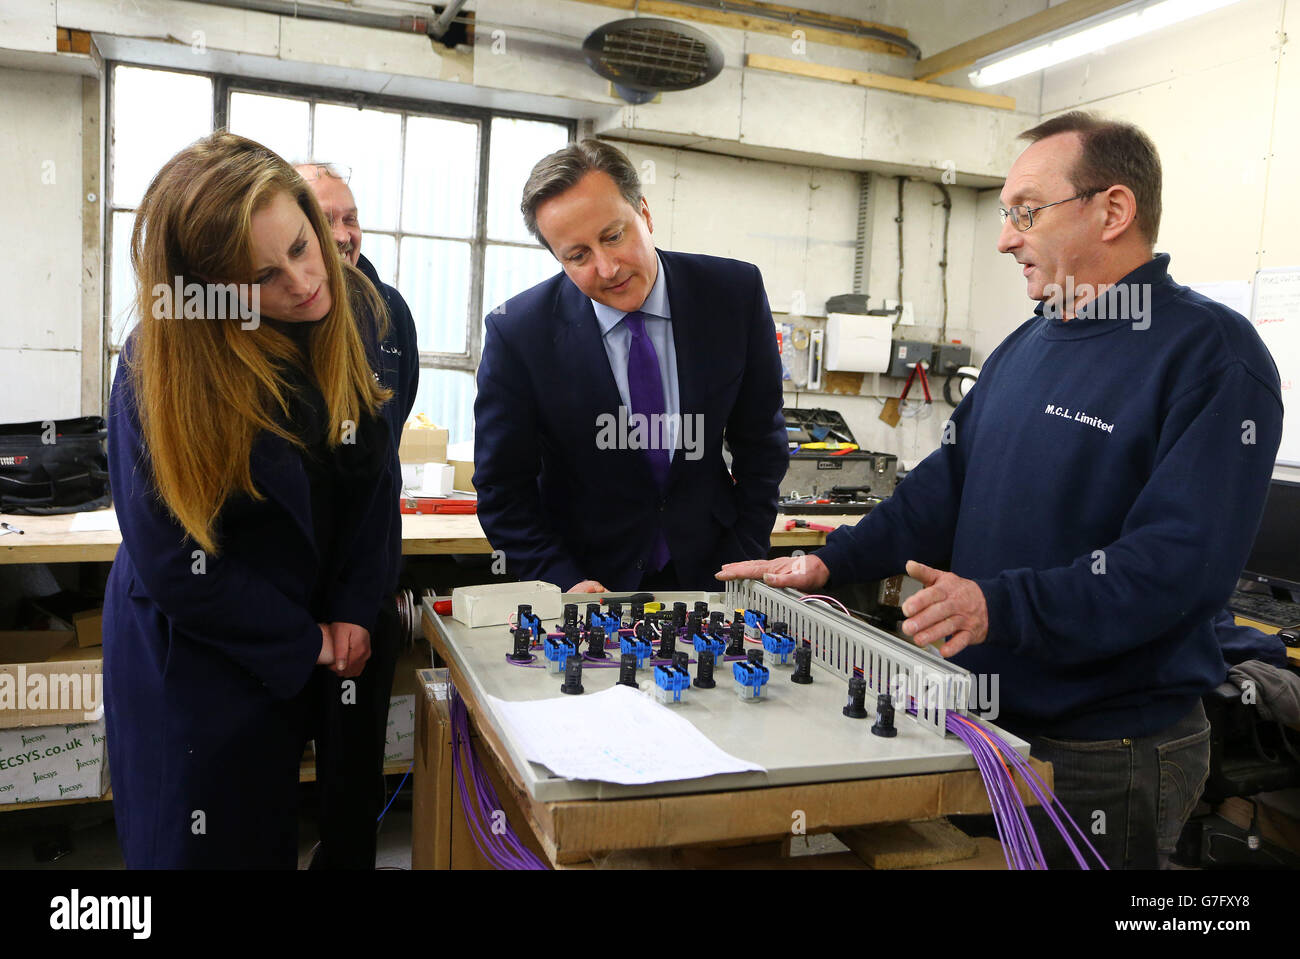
<point x="351" y="648"/>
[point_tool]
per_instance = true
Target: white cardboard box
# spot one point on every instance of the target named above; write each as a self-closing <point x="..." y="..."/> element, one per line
<point x="494" y="603"/>
<point x="53" y="762"/>
<point x="428" y="479"/>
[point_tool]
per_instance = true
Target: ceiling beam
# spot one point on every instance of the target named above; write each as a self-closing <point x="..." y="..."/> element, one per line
<point x="878" y="81"/>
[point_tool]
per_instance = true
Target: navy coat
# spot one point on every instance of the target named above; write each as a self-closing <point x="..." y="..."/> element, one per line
<point x="397" y="361"/>
<point x="207" y="658"/>
<point x="564" y="510"/>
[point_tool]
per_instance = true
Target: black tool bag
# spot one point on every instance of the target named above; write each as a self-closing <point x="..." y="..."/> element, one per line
<point x="67" y="475"/>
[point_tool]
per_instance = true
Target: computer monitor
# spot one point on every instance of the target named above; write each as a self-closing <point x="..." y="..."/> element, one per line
<point x="1275" y="558"/>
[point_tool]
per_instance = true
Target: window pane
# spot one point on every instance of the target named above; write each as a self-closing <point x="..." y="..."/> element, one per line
<point x="276" y="122"/>
<point x="508" y="270"/>
<point x="517" y="145"/>
<point x="439" y="192"/>
<point x="435" y="283"/>
<point x="370" y="142"/>
<point x="155" y="114"/>
<point x="121" y="290"/>
<point x="381" y="250"/>
<point x="447" y="398"/>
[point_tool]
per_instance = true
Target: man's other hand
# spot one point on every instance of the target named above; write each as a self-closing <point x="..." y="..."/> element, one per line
<point x="949" y="607"/>
<point x="588" y="586"/>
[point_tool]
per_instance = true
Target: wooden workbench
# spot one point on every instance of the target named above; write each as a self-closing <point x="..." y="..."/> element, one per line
<point x="49" y="539"/>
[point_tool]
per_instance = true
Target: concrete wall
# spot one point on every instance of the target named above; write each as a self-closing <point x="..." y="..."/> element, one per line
<point x="40" y="273"/>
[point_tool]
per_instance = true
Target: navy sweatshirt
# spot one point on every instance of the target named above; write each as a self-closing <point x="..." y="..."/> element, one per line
<point x="397" y="364"/>
<point x="1102" y="482"/>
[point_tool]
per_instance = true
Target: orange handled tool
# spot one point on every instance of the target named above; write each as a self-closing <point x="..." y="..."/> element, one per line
<point x="804" y="524"/>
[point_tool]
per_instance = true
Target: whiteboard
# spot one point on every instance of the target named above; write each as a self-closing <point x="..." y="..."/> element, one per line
<point x="1276" y="315"/>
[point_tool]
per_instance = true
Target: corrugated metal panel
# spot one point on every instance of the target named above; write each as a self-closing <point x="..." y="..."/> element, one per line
<point x="280" y="123"/>
<point x="370" y="142"/>
<point x="434" y="278"/>
<point x="121" y="290"/>
<point x="155" y="114"/>
<point x="441" y="175"/>
<point x="517" y="145"/>
<point x="447" y="398"/>
<point x="381" y="250"/>
<point x="508" y="270"/>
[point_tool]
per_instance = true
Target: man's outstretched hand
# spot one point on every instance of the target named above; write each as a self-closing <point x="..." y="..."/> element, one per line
<point x="948" y="607"/>
<point x="799" y="572"/>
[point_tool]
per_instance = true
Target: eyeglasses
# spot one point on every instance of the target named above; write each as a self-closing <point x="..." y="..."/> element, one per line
<point x="1022" y="217"/>
<point x="335" y="170"/>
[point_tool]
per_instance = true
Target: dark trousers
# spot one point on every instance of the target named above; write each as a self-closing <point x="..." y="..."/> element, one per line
<point x="352" y="724"/>
<point x="1131" y="797"/>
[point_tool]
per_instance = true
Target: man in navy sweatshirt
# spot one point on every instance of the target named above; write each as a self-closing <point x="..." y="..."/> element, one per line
<point x="1092" y="501"/>
<point x="350" y="744"/>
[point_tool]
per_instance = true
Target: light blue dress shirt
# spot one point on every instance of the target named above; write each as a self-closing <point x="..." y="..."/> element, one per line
<point x="617" y="340"/>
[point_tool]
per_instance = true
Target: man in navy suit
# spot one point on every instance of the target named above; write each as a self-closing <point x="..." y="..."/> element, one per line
<point x="605" y="394"/>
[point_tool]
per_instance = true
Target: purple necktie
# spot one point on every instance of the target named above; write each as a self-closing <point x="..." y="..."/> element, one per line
<point x="645" y="393"/>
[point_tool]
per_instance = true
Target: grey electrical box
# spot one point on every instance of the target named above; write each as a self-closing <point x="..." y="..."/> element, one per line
<point x="904" y="354"/>
<point x="948" y="357"/>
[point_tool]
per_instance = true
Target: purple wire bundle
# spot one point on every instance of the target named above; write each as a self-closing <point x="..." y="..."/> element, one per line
<point x="504" y="851"/>
<point x="1019" y="842"/>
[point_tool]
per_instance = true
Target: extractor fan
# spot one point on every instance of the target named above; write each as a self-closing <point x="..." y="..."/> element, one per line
<point x="643" y="56"/>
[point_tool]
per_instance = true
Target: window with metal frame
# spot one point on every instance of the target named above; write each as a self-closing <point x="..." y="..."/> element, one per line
<point x="437" y="189"/>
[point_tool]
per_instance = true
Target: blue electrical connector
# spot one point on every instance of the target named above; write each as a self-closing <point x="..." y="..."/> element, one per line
<point x="671" y="683"/>
<point x="714" y="645"/>
<point x="528" y="620"/>
<point x="755" y="623"/>
<point x="779" y="644"/>
<point x="557" y="651"/>
<point x="639" y="648"/>
<point x="751" y="677"/>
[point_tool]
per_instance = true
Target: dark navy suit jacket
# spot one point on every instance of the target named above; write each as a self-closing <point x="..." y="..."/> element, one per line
<point x="563" y="510"/>
<point x="206" y="657"/>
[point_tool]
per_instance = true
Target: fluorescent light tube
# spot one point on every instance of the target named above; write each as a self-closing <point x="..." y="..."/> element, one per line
<point x="1087" y="36"/>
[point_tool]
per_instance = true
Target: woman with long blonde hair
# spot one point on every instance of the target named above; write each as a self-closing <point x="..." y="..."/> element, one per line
<point x="251" y="478"/>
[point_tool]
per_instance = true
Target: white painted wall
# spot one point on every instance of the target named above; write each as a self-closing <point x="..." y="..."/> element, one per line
<point x="1220" y="96"/>
<point x="40" y="273"/>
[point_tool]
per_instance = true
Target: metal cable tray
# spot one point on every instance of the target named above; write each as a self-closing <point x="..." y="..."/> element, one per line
<point x="841" y="644"/>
